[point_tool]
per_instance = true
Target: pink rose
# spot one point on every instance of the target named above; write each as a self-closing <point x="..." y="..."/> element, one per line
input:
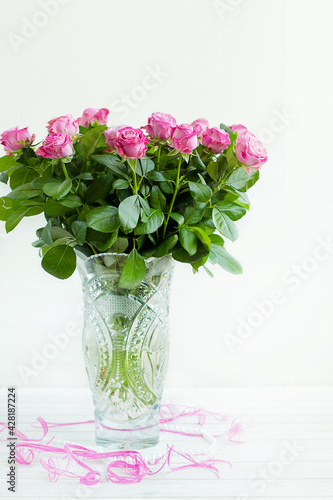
<point x="160" y="126"/>
<point x="200" y="126"/>
<point x="15" y="139"/>
<point x="215" y="139"/>
<point x="184" y="138"/>
<point x="64" y="125"/>
<point x="56" y="146"/>
<point x="240" y="129"/>
<point x="111" y="137"/>
<point x="131" y="142"/>
<point x="249" y="151"/>
<point x="92" y="115"/>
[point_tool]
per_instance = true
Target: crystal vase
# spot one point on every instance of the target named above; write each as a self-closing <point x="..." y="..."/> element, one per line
<point x="126" y="348"/>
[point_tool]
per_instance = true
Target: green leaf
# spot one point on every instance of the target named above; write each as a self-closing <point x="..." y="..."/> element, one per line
<point x="217" y="168"/>
<point x="129" y="212"/>
<point x="202" y="236"/>
<point x="213" y="171"/>
<point x="225" y="225"/>
<point x="54" y="208"/>
<point x="113" y="163"/>
<point x="26" y="191"/>
<point x="159" y="176"/>
<point x="108" y="160"/>
<point x="22" y="175"/>
<point x="232" y="210"/>
<point x="242" y="181"/>
<point x="40" y="182"/>
<point x="178" y="218"/>
<point x="197" y="160"/>
<point x="58" y="232"/>
<point x="85" y="176"/>
<point x="194" y="213"/>
<point x="90" y="139"/>
<point x="120" y="245"/>
<point x="99" y="189"/>
<point x="145" y="205"/>
<point x="15" y="218"/>
<point x="6" y="208"/>
<point x="162" y="249"/>
<point x="7" y="162"/>
<point x="103" y="219"/>
<point x="154" y="221"/>
<point x="120" y="184"/>
<point x="167" y="187"/>
<point x="60" y="261"/>
<point x="157" y="198"/>
<point x="188" y="240"/>
<point x="102" y="241"/>
<point x="200" y="192"/>
<point x="46" y="234"/>
<point x="134" y="271"/>
<point x="237" y="197"/>
<point x="199" y="263"/>
<point x="58" y="190"/>
<point x="29" y="157"/>
<point x="224" y="259"/>
<point x="79" y="229"/>
<point x="72" y="201"/>
<point x="209" y="272"/>
<point x="144" y="166"/>
<point x="4" y="177"/>
<point x="182" y="255"/>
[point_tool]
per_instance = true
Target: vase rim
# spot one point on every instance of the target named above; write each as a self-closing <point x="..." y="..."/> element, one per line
<point x="108" y="254"/>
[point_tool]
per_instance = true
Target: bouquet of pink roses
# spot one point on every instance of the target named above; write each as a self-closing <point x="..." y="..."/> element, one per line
<point x="165" y="188"/>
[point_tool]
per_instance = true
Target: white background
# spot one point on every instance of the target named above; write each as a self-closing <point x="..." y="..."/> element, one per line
<point x="235" y="61"/>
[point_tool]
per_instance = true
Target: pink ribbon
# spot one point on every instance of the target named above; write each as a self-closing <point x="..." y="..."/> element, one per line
<point x="124" y="467"/>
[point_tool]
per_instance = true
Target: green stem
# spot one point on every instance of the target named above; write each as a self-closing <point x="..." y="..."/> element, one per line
<point x="135" y="183"/>
<point x="64" y="169"/>
<point x="132" y="163"/>
<point x="158" y="159"/>
<point x="174" y="196"/>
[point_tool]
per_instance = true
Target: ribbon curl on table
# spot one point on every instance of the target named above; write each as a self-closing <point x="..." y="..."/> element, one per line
<point x="126" y="466"/>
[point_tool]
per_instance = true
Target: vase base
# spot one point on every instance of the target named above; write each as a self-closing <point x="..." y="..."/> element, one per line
<point x="127" y="445"/>
<point x="130" y="435"/>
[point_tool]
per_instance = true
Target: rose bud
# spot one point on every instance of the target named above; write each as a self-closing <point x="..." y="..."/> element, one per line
<point x="111" y="137"/>
<point x="240" y="129"/>
<point x="15" y="139"/>
<point x="184" y="138"/>
<point x="131" y="142"/>
<point x="64" y="125"/>
<point x="92" y="115"/>
<point x="250" y="151"/>
<point x="200" y="125"/>
<point x="56" y="146"/>
<point x="160" y="126"/>
<point x="215" y="139"/>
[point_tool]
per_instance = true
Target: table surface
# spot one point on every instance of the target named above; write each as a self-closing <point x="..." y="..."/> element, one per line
<point x="287" y="449"/>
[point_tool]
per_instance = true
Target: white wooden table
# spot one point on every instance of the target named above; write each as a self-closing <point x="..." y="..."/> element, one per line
<point x="287" y="452"/>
